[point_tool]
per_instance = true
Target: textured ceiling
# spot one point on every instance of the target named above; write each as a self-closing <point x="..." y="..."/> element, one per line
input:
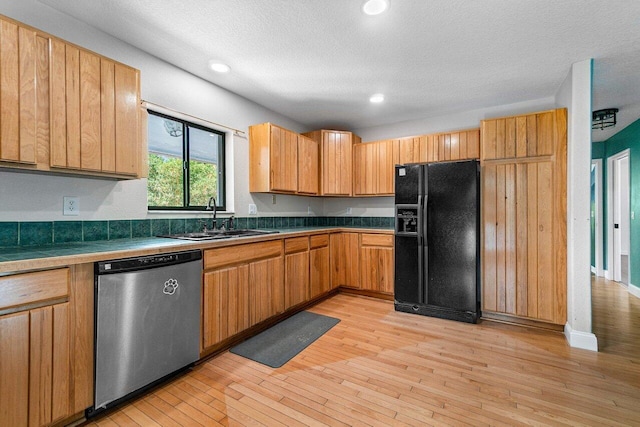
<point x="318" y="61"/>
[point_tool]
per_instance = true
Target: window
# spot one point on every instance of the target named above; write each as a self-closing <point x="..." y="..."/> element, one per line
<point x="186" y="164"/>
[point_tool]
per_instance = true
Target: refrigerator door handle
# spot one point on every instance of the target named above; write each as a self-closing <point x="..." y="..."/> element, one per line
<point x="422" y="250"/>
<point x="419" y="219"/>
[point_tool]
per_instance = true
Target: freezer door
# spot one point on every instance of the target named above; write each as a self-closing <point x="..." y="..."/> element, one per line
<point x="408" y="184"/>
<point x="451" y="237"/>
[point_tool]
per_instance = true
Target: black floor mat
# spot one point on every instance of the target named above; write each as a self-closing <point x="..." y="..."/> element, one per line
<point x="280" y="343"/>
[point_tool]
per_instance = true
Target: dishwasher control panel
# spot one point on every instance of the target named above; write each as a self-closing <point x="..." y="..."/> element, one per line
<point x="141" y="263"/>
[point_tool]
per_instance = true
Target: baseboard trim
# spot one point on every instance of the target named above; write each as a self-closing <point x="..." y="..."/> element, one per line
<point x="607" y="275"/>
<point x="634" y="290"/>
<point x="594" y="270"/>
<point x="578" y="339"/>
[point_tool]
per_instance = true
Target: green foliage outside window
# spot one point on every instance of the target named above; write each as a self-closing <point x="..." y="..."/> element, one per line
<point x="165" y="181"/>
<point x="174" y="184"/>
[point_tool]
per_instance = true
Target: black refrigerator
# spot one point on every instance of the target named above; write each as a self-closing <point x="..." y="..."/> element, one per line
<point x="437" y="239"/>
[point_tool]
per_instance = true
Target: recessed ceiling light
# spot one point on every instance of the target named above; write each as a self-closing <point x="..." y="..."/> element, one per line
<point x="376" y="98"/>
<point x="219" y="67"/>
<point x="375" y="7"/>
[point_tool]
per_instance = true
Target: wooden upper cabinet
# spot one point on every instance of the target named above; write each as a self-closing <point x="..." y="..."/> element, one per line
<point x="94" y="112"/>
<point x="524" y="220"/>
<point x="281" y="161"/>
<point x="283" y="155"/>
<point x="336" y="161"/>
<point x="18" y="108"/>
<point x="451" y="146"/>
<point x="518" y="137"/>
<point x="365" y="169"/>
<point x="308" y="165"/>
<point x="408" y="150"/>
<point x="373" y="168"/>
<point x="127" y="123"/>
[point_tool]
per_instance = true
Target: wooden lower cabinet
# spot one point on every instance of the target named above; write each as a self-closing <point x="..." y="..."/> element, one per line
<point x="267" y="290"/>
<point x="226" y="298"/>
<point x="376" y="262"/>
<point x="296" y="279"/>
<point x="46" y="363"/>
<point x="243" y="285"/>
<point x="345" y="260"/>
<point x="319" y="279"/>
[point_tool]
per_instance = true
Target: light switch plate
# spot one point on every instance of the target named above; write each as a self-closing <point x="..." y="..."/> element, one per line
<point x="70" y="206"/>
<point x="253" y="209"/>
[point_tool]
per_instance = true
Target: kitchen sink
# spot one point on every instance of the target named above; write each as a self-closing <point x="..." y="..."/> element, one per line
<point x="219" y="234"/>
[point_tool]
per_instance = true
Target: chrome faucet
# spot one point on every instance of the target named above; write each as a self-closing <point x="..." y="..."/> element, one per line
<point x="211" y="206"/>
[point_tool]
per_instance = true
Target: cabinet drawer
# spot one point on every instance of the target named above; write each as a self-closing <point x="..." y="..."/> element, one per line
<point x="214" y="258"/>
<point x="31" y="288"/>
<point x="377" y="240"/>
<point x="319" y="241"/>
<point x="296" y="244"/>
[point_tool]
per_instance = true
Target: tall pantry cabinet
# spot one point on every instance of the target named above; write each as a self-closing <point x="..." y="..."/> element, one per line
<point x="524" y="223"/>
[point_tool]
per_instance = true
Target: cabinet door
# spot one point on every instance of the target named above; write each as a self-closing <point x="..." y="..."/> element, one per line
<point x="14" y="369"/>
<point x="344" y="260"/>
<point x="284" y="160"/>
<point x="429" y="149"/>
<point x="531" y="135"/>
<point x="90" y="112"/>
<point x="267" y="289"/>
<point x="127" y="101"/>
<point x="94" y="112"/>
<point x="320" y="281"/>
<point x="35" y="366"/>
<point x="385" y="168"/>
<point x="337" y="163"/>
<point x="407" y="150"/>
<point x="376" y="262"/>
<point x="365" y="165"/>
<point x="226" y="304"/>
<point x="17" y="93"/>
<point x="308" y="165"/>
<point x="296" y="278"/>
<point x="49" y="364"/>
<point x="519" y="256"/>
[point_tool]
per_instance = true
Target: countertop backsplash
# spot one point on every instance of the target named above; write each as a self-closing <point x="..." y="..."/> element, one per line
<point x="39" y="233"/>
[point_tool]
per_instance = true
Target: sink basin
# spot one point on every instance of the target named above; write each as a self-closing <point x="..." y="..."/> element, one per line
<point x="219" y="234"/>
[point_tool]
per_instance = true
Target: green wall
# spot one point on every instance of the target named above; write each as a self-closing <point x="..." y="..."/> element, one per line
<point x="628" y="138"/>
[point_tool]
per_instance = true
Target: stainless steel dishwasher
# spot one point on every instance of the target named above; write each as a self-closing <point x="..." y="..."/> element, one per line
<point x="147" y="322"/>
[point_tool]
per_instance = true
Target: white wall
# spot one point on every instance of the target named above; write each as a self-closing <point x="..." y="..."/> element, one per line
<point x="30" y="197"/>
<point x="575" y="95"/>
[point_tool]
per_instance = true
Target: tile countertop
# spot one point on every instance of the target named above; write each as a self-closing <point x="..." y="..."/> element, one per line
<point x="16" y="259"/>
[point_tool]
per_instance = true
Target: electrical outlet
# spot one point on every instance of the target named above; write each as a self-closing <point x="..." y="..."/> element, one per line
<point x="349" y="211"/>
<point x="253" y="209"/>
<point x="70" y="206"/>
<point x="273" y="199"/>
<point x="309" y="211"/>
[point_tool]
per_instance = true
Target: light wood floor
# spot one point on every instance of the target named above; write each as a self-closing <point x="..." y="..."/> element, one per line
<point x="378" y="367"/>
<point x="616" y="318"/>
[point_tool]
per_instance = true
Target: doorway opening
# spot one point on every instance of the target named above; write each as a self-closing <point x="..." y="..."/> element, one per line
<point x="618" y="214"/>
<point x="597" y="257"/>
